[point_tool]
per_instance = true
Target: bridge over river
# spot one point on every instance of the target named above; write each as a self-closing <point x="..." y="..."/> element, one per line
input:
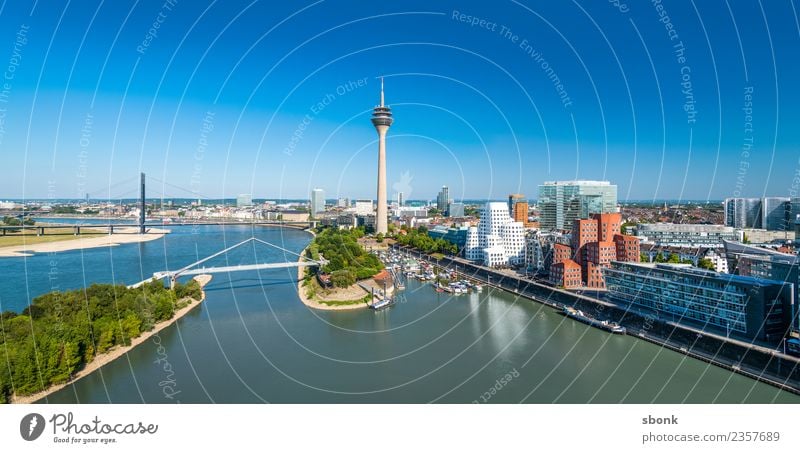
<point x="194" y="269"/>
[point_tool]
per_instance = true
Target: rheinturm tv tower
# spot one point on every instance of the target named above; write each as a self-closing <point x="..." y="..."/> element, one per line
<point x="381" y="119"/>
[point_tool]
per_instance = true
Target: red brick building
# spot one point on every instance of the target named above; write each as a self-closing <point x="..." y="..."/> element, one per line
<point x="594" y="276"/>
<point x="584" y="231"/>
<point x="627" y="247"/>
<point x="601" y="252"/>
<point x="561" y="253"/>
<point x="595" y="243"/>
<point x="607" y="226"/>
<point x="521" y="212"/>
<point x="566" y="274"/>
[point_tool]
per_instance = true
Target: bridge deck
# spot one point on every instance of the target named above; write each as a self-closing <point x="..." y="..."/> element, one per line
<point x="192" y="269"/>
<point x="240" y="267"/>
<point x="149" y="225"/>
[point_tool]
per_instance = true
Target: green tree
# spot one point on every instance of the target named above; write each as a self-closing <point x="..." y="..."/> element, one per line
<point x="191" y="290"/>
<point x="627" y="225"/>
<point x="62" y="331"/>
<point x="706" y="263"/>
<point x="342" y="250"/>
<point x="130" y="327"/>
<point x="342" y="278"/>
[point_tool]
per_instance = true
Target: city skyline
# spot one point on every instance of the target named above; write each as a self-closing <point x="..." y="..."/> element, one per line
<point x="192" y="111"/>
<point x="394" y="205"/>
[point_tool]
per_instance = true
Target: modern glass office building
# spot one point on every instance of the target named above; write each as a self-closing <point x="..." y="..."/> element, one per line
<point x="244" y="200"/>
<point x="455" y="210"/>
<point x="743" y="212"/>
<point x="794" y="210"/>
<point x="753" y="261"/>
<point x="775" y="213"/>
<point x="746" y="307"/>
<point x="443" y="199"/>
<point x="457" y="236"/>
<point x="317" y="201"/>
<point x="562" y="202"/>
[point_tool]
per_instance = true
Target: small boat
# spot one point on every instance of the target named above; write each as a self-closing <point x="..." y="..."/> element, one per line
<point x="582" y="317"/>
<point x="439" y="287"/>
<point x="381" y="304"/>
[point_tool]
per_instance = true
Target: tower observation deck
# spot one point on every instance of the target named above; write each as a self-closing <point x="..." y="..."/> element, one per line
<point x="382" y="114"/>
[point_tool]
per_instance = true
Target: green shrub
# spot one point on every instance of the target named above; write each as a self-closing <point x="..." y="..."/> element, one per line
<point x="343" y="278"/>
<point x="71" y="327"/>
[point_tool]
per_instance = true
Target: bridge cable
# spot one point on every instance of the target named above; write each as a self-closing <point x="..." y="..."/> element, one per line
<point x="186" y="268"/>
<point x="191" y="191"/>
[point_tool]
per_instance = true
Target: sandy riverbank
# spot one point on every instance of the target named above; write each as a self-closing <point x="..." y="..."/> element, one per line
<point x="100" y="360"/>
<point x="122" y="235"/>
<point x="351" y="293"/>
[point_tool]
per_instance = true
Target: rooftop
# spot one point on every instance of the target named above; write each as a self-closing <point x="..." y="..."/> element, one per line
<point x="734" y="247"/>
<point x="688" y="269"/>
<point x="684" y="227"/>
<point x="578" y="182"/>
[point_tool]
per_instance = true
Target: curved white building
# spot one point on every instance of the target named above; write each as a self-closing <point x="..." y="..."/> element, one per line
<point x="498" y="240"/>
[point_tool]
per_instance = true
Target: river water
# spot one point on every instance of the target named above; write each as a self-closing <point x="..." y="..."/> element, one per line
<point x="253" y="341"/>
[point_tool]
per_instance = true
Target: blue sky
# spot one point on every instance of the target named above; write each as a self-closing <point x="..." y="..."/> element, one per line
<point x="274" y="98"/>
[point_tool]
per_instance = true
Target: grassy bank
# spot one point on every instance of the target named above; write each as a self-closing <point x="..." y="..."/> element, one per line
<point x="312" y="292"/>
<point x="29" y="237"/>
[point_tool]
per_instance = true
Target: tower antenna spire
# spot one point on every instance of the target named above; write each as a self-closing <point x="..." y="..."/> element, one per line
<point x="381" y="91"/>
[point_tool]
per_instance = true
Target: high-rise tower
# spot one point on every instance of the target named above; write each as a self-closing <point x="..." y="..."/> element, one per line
<point x="381" y="119"/>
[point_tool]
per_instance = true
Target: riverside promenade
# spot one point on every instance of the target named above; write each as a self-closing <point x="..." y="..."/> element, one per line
<point x="756" y="361"/>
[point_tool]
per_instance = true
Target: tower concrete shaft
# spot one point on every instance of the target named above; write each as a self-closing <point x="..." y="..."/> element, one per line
<point x="382" y="213"/>
<point x="382" y="119"/>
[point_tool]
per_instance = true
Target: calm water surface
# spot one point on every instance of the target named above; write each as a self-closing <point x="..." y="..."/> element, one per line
<point x="253" y="341"/>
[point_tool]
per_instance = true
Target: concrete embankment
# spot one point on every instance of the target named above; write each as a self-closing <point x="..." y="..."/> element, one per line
<point x="754" y="361"/>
